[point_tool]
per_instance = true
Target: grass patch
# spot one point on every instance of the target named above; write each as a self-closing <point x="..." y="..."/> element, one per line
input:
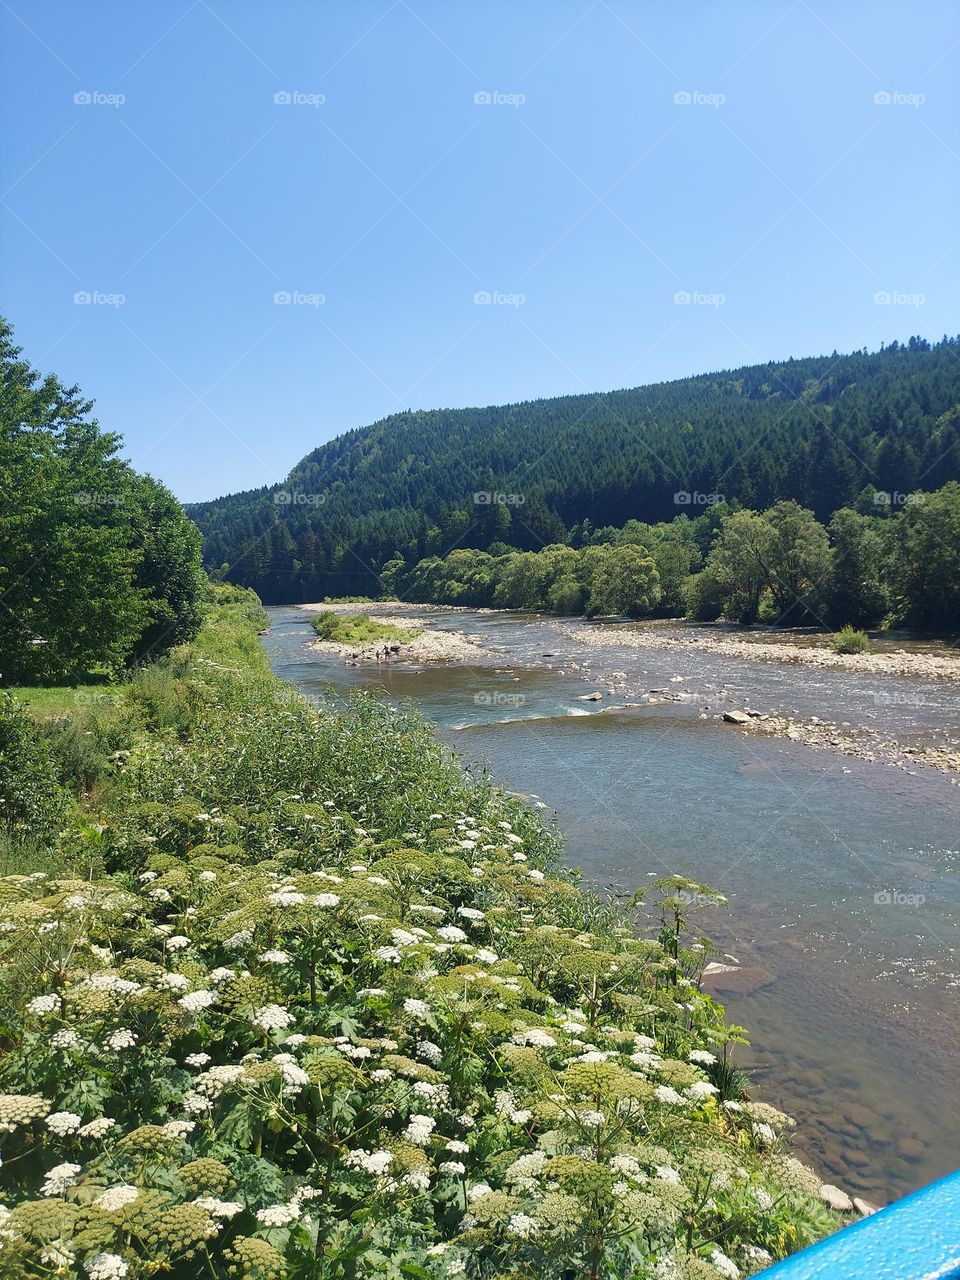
<point x="849" y="640"/>
<point x="359" y="630"/>
<point x="43" y="701"/>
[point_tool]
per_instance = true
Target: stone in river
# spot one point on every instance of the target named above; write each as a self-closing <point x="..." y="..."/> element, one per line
<point x="836" y="1198"/>
<point x="861" y="1116"/>
<point x="742" y="980"/>
<point x="864" y="1207"/>
<point x="590" y="697"/>
<point x="910" y="1148"/>
<point x="736" y="717"/>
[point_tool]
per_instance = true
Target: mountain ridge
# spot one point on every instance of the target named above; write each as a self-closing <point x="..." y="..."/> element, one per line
<point x="818" y="429"/>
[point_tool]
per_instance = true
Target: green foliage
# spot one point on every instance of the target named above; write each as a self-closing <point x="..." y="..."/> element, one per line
<point x="32" y="801"/>
<point x="99" y="566"/>
<point x="334" y="1009"/>
<point x="849" y="640"/>
<point x="360" y="630"/>
<point x="817" y="431"/>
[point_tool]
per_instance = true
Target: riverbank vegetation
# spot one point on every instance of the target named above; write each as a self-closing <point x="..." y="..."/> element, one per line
<point x="99" y="566"/>
<point x="287" y="993"/>
<point x="871" y="566"/>
<point x="360" y="630"/>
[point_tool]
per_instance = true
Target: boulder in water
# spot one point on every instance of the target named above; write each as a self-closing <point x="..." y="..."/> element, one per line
<point x="836" y="1198"/>
<point x="736" y="717"/>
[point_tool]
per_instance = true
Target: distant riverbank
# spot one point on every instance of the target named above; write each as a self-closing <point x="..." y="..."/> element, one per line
<point x="766" y="646"/>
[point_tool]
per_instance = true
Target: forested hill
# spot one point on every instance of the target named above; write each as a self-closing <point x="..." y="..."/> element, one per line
<point x="819" y="430"/>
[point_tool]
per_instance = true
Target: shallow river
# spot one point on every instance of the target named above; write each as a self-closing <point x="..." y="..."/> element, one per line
<point x="843" y="876"/>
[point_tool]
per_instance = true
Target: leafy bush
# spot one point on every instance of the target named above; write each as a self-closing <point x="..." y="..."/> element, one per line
<point x="337" y="1011"/>
<point x="32" y="801"/>
<point x="849" y="640"/>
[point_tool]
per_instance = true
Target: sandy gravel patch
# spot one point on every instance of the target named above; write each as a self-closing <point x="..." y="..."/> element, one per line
<point x="899" y="663"/>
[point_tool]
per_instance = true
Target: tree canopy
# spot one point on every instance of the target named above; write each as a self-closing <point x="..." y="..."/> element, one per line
<point x="99" y="566"/>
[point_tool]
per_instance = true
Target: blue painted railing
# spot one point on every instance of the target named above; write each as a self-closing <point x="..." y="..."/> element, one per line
<point x="917" y="1238"/>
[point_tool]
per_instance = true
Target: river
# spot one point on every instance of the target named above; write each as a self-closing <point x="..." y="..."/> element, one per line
<point x="843" y="876"/>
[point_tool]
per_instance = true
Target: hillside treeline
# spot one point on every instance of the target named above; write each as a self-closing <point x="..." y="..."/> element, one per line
<point x="779" y="566"/>
<point x="420" y="484"/>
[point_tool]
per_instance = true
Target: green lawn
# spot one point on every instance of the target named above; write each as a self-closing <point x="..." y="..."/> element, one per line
<point x="56" y="700"/>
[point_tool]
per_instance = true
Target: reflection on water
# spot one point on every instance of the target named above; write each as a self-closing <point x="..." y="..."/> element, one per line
<point x="842" y="876"/>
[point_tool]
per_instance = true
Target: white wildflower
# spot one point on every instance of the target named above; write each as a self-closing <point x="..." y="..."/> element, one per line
<point x="63" y="1122"/>
<point x="43" y="1004"/>
<point x="106" y="1266"/>
<point x="98" y="1128"/>
<point x="373" y="1162"/>
<point x="177" y="943"/>
<point x="122" y="1038"/>
<point x="59" y="1178"/>
<point x="726" y="1266"/>
<point x="194" y="1001"/>
<point x="278" y="1215"/>
<point x="219" y="1208"/>
<point x="521" y="1224"/>
<point x="117" y="1197"/>
<point x="271" y="1017"/>
<point x="419" y="1128"/>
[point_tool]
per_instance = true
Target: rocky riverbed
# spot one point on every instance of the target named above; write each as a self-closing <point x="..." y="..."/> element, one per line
<point x="758" y="646"/>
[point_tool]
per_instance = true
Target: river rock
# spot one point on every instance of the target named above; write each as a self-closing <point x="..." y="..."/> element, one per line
<point x="590" y="697"/>
<point x="740" y="980"/>
<point x="862" y="1116"/>
<point x="836" y="1198"/>
<point x="736" y="717"/>
<point x="864" y="1207"/>
<point x="910" y="1148"/>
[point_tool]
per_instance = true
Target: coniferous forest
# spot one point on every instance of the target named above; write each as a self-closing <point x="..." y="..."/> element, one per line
<point x="874" y="432"/>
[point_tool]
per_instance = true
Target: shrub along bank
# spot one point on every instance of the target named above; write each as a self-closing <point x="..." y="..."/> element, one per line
<point x="305" y="999"/>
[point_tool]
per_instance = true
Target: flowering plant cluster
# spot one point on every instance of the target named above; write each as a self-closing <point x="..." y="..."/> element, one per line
<point x="332" y="1010"/>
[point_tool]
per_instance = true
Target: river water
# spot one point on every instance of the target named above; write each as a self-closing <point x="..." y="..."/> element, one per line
<point x="843" y="876"/>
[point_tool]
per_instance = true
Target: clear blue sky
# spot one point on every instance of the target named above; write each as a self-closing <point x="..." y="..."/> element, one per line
<point x="782" y="187"/>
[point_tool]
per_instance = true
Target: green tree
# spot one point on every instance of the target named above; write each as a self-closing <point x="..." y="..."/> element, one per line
<point x="98" y="566"/>
<point x="624" y="580"/>
<point x="860" y="586"/>
<point x="928" y="553"/>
